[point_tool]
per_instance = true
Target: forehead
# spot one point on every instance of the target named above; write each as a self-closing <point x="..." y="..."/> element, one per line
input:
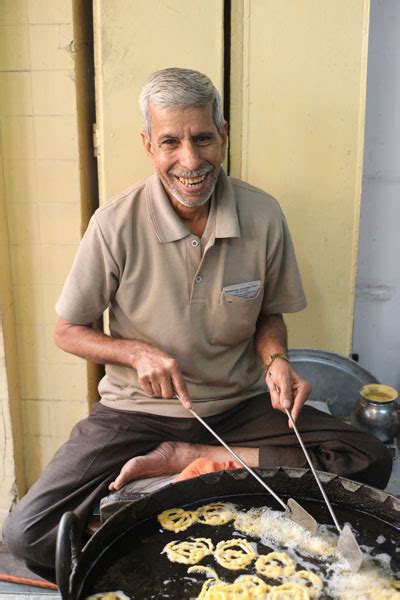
<point x="180" y="120"/>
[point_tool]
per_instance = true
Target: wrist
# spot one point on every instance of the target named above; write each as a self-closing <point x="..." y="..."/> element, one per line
<point x="133" y="351"/>
<point x="272" y="358"/>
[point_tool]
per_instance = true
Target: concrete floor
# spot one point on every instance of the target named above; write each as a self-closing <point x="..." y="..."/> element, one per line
<point x="9" y="591"/>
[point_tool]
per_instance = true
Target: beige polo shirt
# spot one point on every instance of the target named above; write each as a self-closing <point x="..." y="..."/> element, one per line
<point x="198" y="299"/>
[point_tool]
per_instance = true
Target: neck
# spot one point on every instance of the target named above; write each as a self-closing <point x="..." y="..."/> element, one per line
<point x="194" y="218"/>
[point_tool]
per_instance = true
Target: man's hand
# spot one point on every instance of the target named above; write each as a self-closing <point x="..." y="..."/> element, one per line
<point x="287" y="389"/>
<point x="159" y="374"/>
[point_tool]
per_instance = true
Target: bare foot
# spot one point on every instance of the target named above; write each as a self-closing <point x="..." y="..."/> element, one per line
<point x="172" y="457"/>
<point x="166" y="459"/>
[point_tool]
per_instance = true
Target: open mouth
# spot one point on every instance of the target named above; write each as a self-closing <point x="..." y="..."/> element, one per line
<point x="192" y="182"/>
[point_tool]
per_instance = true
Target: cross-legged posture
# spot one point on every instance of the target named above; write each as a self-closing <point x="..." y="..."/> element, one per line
<point x="196" y="269"/>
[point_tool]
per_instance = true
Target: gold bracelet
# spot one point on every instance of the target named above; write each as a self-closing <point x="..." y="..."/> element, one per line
<point x="273" y="357"/>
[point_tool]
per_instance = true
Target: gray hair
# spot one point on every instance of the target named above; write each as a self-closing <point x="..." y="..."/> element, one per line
<point x="180" y="88"/>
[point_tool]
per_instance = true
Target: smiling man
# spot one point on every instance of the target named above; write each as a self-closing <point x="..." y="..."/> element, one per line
<point x="196" y="269"/>
<point x="187" y="150"/>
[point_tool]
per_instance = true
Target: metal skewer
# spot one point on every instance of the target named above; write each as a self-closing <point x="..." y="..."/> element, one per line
<point x="347" y="543"/>
<point x="293" y="510"/>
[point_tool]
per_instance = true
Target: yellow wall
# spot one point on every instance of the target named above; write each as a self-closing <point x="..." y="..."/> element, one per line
<point x="132" y="42"/>
<point x="298" y="93"/>
<point x="297" y="118"/>
<point x="11" y="445"/>
<point x="41" y="181"/>
<point x="301" y="81"/>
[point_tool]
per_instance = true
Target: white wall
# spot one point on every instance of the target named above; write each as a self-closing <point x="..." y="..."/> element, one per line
<point x="377" y="317"/>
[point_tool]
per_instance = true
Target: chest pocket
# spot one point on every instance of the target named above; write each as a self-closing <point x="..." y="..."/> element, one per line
<point x="234" y="319"/>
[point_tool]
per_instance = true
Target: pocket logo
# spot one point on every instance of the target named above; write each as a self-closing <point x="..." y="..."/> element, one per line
<point x="243" y="290"/>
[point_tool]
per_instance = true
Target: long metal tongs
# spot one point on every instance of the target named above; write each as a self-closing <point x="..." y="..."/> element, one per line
<point x="293" y="510"/>
<point x="347" y="543"/>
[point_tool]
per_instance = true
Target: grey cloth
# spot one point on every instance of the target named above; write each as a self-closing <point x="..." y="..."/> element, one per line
<point x="80" y="472"/>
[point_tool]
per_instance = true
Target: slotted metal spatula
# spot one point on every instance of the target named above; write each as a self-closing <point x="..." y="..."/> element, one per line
<point x="347" y="543"/>
<point x="293" y="510"/>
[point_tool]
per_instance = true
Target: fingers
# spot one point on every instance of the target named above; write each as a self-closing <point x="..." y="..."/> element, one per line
<point x="182" y="392"/>
<point x="302" y="393"/>
<point x="159" y="375"/>
<point x="285" y="393"/>
<point x="166" y="390"/>
<point x="275" y="396"/>
<point x="146" y="385"/>
<point x="287" y="389"/>
<point x="280" y="389"/>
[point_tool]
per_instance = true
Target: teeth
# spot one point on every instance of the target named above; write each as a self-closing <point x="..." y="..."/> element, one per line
<point x="192" y="180"/>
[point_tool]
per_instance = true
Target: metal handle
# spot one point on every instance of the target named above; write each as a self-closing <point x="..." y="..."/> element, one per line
<point x="67" y="551"/>
<point x="249" y="469"/>
<point x="313" y="470"/>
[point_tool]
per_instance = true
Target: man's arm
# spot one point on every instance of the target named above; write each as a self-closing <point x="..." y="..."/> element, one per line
<point x="286" y="387"/>
<point x="158" y="372"/>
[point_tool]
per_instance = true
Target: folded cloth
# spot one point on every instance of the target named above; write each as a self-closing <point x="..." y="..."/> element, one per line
<point x="205" y="465"/>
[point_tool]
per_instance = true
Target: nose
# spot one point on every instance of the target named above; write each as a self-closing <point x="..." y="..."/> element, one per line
<point x="190" y="158"/>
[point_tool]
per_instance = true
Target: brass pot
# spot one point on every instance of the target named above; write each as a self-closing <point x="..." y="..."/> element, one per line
<point x="376" y="411"/>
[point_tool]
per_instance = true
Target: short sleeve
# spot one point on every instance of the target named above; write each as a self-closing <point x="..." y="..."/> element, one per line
<point x="92" y="280"/>
<point x="283" y="292"/>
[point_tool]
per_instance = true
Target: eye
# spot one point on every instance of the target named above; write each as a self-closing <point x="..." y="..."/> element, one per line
<point x="203" y="139"/>
<point x="168" y="142"/>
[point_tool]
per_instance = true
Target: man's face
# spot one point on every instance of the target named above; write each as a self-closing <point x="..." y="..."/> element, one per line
<point x="186" y="150"/>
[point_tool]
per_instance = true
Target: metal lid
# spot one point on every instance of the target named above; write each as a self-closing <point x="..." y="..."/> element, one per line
<point x="335" y="379"/>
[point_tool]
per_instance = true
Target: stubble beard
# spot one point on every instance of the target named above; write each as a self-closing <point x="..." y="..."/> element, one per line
<point x="201" y="200"/>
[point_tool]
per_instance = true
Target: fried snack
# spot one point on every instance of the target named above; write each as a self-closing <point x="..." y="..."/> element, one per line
<point x="226" y="591"/>
<point x="289" y="591"/>
<point x="216" y="513"/>
<point x="275" y="564"/>
<point x="205" y="588"/>
<point x="176" y="519"/>
<point x="118" y="595"/>
<point x="256" y="586"/>
<point x="395" y="583"/>
<point x="245" y="587"/>
<point x="234" y="554"/>
<point x="189" y="552"/>
<point x="309" y="580"/>
<point x="204" y="570"/>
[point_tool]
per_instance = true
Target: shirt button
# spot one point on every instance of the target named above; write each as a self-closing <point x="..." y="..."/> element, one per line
<point x="195" y="243"/>
<point x="198" y="279"/>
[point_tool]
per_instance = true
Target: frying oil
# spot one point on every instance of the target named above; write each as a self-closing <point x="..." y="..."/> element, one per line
<point x="370" y="583"/>
<point x="136" y="565"/>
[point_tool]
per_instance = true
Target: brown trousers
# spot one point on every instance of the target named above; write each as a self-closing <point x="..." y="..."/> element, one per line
<point x="80" y="472"/>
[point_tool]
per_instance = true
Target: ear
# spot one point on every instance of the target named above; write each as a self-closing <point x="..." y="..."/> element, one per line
<point x="224" y="136"/>
<point x="148" y="148"/>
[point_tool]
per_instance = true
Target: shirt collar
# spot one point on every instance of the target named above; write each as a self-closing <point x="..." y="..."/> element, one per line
<point x="227" y="219"/>
<point x="167" y="225"/>
<point x="170" y="228"/>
